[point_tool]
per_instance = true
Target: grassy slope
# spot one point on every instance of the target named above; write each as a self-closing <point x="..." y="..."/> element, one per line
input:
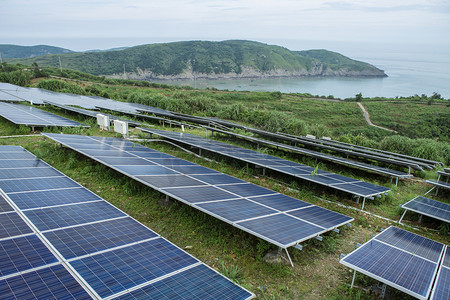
<point x="317" y="272"/>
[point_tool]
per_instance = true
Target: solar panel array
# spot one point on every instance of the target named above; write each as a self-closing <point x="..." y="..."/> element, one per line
<point x="58" y="240"/>
<point x="399" y="258"/>
<point x="441" y="290"/>
<point x="428" y="207"/>
<point x="32" y="116"/>
<point x="324" y="178"/>
<point x="274" y="217"/>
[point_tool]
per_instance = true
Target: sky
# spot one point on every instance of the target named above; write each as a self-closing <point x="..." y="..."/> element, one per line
<point x="296" y="24"/>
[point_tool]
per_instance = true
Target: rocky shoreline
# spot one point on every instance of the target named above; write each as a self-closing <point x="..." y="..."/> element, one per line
<point x="250" y="73"/>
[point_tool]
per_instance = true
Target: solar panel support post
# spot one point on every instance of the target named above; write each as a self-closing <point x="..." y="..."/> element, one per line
<point x="364" y="202"/>
<point x="383" y="290"/>
<point x="353" y="279"/>
<point x="420" y="218"/>
<point x="287" y="254"/>
<point x="430" y="190"/>
<point x="401" y="218"/>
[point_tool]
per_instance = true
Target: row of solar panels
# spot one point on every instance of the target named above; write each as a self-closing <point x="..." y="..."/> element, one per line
<point x="58" y="240"/>
<point x="303" y="172"/>
<point x="406" y="261"/>
<point x="274" y="217"/>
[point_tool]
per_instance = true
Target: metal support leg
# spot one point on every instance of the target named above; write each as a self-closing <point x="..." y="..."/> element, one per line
<point x="430" y="190"/>
<point x="392" y="178"/>
<point x="264" y="171"/>
<point x="200" y="151"/>
<point x="364" y="202"/>
<point x="289" y="257"/>
<point x="401" y="218"/>
<point x="383" y="291"/>
<point x="353" y="279"/>
<point x="420" y="218"/>
<point x="396" y="181"/>
<point x="437" y="190"/>
<point x="409" y="169"/>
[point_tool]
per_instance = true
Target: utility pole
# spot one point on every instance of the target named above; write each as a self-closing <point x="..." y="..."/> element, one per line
<point x="60" y="66"/>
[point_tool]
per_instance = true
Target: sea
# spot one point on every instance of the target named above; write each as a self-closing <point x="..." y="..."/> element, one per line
<point x="412" y="69"/>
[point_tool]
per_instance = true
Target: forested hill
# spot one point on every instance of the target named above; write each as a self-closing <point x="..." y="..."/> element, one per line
<point x="205" y="59"/>
<point x="15" y="51"/>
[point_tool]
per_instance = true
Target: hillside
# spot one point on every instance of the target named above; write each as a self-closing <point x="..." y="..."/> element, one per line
<point x="212" y="60"/>
<point x="15" y="51"/>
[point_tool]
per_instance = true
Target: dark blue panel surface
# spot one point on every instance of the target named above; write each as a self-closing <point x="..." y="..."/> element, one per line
<point x="10" y="148"/>
<point x="412" y="243"/>
<point x="4" y="206"/>
<point x="446" y="259"/>
<point x="396" y="266"/>
<point x="151" y="155"/>
<point x="22" y="163"/>
<point x="170" y="181"/>
<point x="200" y="194"/>
<point x="280" y="202"/>
<point x="82" y="240"/>
<point x="23" y="253"/>
<point x="442" y="285"/>
<point x="28" y="173"/>
<point x="146" y="170"/>
<point x="11" y="224"/>
<point x="371" y="186"/>
<point x="106" y="153"/>
<point x="123" y="161"/>
<point x="247" y="189"/>
<point x="235" y="210"/>
<point x="429" y="207"/>
<point x="69" y="215"/>
<point x="354" y="189"/>
<point x="168" y="162"/>
<point x="16" y="155"/>
<point x="216" y="179"/>
<point x="190" y="170"/>
<point x="53" y="197"/>
<point x="36" y="184"/>
<point x="325" y="180"/>
<point x="45" y="284"/>
<point x="281" y="228"/>
<point x="118" y="270"/>
<point x="320" y="216"/>
<point x="199" y="283"/>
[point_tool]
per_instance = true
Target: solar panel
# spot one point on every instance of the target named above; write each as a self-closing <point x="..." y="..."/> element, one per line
<point x="324" y="178"/>
<point x="31" y="116"/>
<point x="208" y="192"/>
<point x="428" y="207"/>
<point x="398" y="258"/>
<point x="441" y="290"/>
<point x="61" y="241"/>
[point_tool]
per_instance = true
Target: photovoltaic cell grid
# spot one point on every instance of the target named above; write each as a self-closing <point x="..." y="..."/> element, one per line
<point x="441" y="290"/>
<point x="49" y="231"/>
<point x="264" y="213"/>
<point x="31" y="116"/>
<point x="398" y="258"/>
<point x="428" y="207"/>
<point x="334" y="181"/>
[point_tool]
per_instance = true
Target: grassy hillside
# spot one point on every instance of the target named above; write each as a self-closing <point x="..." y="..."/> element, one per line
<point x="15" y="51"/>
<point x="207" y="58"/>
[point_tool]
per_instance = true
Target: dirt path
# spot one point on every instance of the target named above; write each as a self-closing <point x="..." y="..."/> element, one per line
<point x="367" y="118"/>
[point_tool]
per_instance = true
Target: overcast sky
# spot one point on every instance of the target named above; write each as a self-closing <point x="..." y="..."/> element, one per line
<point x="102" y="24"/>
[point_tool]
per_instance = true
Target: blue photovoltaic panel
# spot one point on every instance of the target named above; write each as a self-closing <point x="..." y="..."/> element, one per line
<point x="194" y="283"/>
<point x="21" y="163"/>
<point x="400" y="259"/>
<point x="49" y="283"/>
<point x="11" y="224"/>
<point x="16" y="155"/>
<point x="108" y="153"/>
<point x="11" y="148"/>
<point x="412" y="243"/>
<point x="280" y="202"/>
<point x="429" y="207"/>
<point x="90" y="238"/>
<point x="41" y="199"/>
<point x="36" y="184"/>
<point x="197" y="189"/>
<point x="28" y="173"/>
<point x="69" y="215"/>
<point x="118" y="252"/>
<point x="235" y="210"/>
<point x="122" y="161"/>
<point x="282" y="228"/>
<point x="170" y="181"/>
<point x="121" y="269"/>
<point x="320" y="216"/>
<point x="441" y="289"/>
<point x="4" y="206"/>
<point x="200" y="194"/>
<point x="23" y="253"/>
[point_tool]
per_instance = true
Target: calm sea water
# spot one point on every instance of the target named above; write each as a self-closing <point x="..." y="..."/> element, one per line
<point x="412" y="69"/>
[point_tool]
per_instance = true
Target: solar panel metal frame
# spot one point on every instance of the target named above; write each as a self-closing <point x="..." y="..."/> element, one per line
<point x="405" y="206"/>
<point x="274" y="168"/>
<point x="441" y="268"/>
<point x="66" y="262"/>
<point x="164" y="191"/>
<point x="387" y="282"/>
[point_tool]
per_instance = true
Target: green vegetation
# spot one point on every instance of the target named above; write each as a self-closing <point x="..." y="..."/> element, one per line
<point x="15" y="51"/>
<point x="209" y="58"/>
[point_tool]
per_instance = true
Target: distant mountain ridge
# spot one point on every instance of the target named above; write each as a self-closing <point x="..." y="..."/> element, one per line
<point x="210" y="60"/>
<point x="16" y="51"/>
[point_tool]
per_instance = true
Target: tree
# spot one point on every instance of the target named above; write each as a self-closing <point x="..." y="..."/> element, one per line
<point x="358" y="97"/>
